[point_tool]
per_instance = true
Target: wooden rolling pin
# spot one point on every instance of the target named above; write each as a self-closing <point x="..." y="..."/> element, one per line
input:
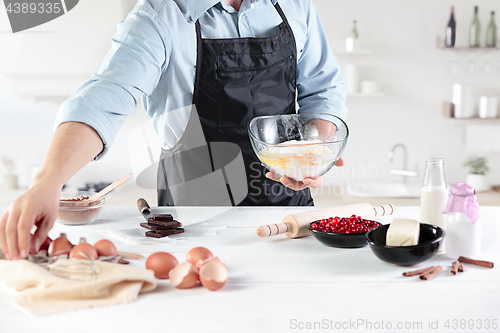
<point x="295" y="225"/>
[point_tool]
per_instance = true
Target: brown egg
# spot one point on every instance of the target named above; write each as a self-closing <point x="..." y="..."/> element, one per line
<point x="83" y="251"/>
<point x="60" y="246"/>
<point x="184" y="275"/>
<point x="161" y="263"/>
<point x="213" y="275"/>
<point x="197" y="255"/>
<point x="44" y="246"/>
<point x="105" y="248"/>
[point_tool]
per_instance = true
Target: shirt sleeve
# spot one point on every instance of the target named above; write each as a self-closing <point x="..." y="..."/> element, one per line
<point x="131" y="68"/>
<point x="320" y="84"/>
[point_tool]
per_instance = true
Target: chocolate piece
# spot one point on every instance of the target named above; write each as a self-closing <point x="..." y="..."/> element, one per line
<point x="155" y="227"/>
<point x="164" y="233"/>
<point x="162" y="217"/>
<point x="171" y="224"/>
<point x="154" y="234"/>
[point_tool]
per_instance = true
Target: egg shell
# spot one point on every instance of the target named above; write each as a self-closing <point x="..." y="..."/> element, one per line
<point x="184" y="275"/>
<point x="197" y="255"/>
<point x="213" y="275"/>
<point x="201" y="263"/>
<point x="105" y="248"/>
<point x="161" y="263"/>
<point x="83" y="251"/>
<point x="60" y="246"/>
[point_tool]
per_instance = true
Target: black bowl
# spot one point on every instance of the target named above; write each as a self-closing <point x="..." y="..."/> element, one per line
<point x="430" y="238"/>
<point x="335" y="239"/>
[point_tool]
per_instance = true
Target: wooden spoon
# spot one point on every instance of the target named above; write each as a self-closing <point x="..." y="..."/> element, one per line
<point x="110" y="187"/>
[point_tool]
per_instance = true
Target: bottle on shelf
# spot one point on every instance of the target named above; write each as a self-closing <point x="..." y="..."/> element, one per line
<point x="451" y="30"/>
<point x="434" y="195"/>
<point x="491" y="32"/>
<point x="354" y="31"/>
<point x="475" y="30"/>
<point x="352" y="42"/>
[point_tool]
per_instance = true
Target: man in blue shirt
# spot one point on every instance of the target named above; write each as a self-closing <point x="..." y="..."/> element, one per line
<point x="165" y="52"/>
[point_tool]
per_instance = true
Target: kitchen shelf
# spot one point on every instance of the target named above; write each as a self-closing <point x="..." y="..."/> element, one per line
<point x="475" y="121"/>
<point x="469" y="49"/>
<point x="440" y="46"/>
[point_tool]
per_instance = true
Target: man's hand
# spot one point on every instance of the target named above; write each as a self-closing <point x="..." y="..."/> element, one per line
<point x="74" y="145"/>
<point x="307" y="182"/>
<point x="38" y="206"/>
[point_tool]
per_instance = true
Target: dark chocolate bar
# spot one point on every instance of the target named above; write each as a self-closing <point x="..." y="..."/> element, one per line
<point x="162" y="217"/>
<point x="155" y="227"/>
<point x="154" y="234"/>
<point x="171" y="224"/>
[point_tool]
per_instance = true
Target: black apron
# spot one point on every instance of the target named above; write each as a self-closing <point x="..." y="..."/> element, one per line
<point x="238" y="79"/>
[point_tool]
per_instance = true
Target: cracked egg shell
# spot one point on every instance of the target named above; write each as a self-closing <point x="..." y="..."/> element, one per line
<point x="161" y="263"/>
<point x="197" y="255"/>
<point x="184" y="275"/>
<point x="83" y="251"/>
<point x="201" y="263"/>
<point x="59" y="246"/>
<point x="213" y="274"/>
<point x="105" y="248"/>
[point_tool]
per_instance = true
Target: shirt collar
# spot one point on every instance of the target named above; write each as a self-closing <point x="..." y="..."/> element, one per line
<point x="193" y="9"/>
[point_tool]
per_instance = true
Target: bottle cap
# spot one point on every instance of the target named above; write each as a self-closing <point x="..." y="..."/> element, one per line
<point x="463" y="200"/>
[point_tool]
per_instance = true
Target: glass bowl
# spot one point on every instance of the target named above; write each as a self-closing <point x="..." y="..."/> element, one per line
<point x="78" y="212"/>
<point x="298" y="146"/>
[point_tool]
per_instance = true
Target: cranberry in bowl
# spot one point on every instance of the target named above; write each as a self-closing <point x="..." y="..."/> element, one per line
<point x="345" y="232"/>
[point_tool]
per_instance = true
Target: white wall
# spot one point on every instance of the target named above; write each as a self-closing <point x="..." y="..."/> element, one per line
<point x="416" y="79"/>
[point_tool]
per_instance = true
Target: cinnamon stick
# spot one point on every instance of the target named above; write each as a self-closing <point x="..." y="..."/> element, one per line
<point x="482" y="263"/>
<point x="461" y="267"/>
<point x="419" y="271"/>
<point x="454" y="267"/>
<point x="430" y="274"/>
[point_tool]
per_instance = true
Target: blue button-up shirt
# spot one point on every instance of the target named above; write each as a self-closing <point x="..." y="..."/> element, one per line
<point x="153" y="56"/>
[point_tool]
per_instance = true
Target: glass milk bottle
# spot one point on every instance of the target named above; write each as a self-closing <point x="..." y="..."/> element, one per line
<point x="463" y="227"/>
<point x="434" y="195"/>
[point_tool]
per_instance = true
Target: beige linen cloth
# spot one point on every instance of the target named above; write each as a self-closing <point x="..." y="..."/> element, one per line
<point x="43" y="293"/>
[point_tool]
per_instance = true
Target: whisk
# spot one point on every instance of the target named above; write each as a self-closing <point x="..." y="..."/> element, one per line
<point x="75" y="269"/>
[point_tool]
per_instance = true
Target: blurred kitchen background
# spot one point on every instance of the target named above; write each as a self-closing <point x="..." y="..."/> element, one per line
<point x="399" y="72"/>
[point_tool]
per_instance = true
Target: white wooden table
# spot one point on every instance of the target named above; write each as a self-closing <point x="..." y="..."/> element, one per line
<point x="282" y="285"/>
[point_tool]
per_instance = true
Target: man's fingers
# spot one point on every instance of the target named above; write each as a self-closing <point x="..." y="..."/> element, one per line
<point x="3" y="233"/>
<point x="340" y="162"/>
<point x="297" y="186"/>
<point x="41" y="233"/>
<point x="272" y="176"/>
<point x="26" y="221"/>
<point x="11" y="234"/>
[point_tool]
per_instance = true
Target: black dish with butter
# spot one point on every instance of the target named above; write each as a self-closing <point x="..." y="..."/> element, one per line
<point x="430" y="238"/>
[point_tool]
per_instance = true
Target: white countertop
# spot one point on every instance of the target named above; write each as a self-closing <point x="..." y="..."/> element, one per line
<point x="278" y="284"/>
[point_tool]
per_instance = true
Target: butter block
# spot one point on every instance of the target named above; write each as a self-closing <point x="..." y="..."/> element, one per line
<point x="403" y="232"/>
